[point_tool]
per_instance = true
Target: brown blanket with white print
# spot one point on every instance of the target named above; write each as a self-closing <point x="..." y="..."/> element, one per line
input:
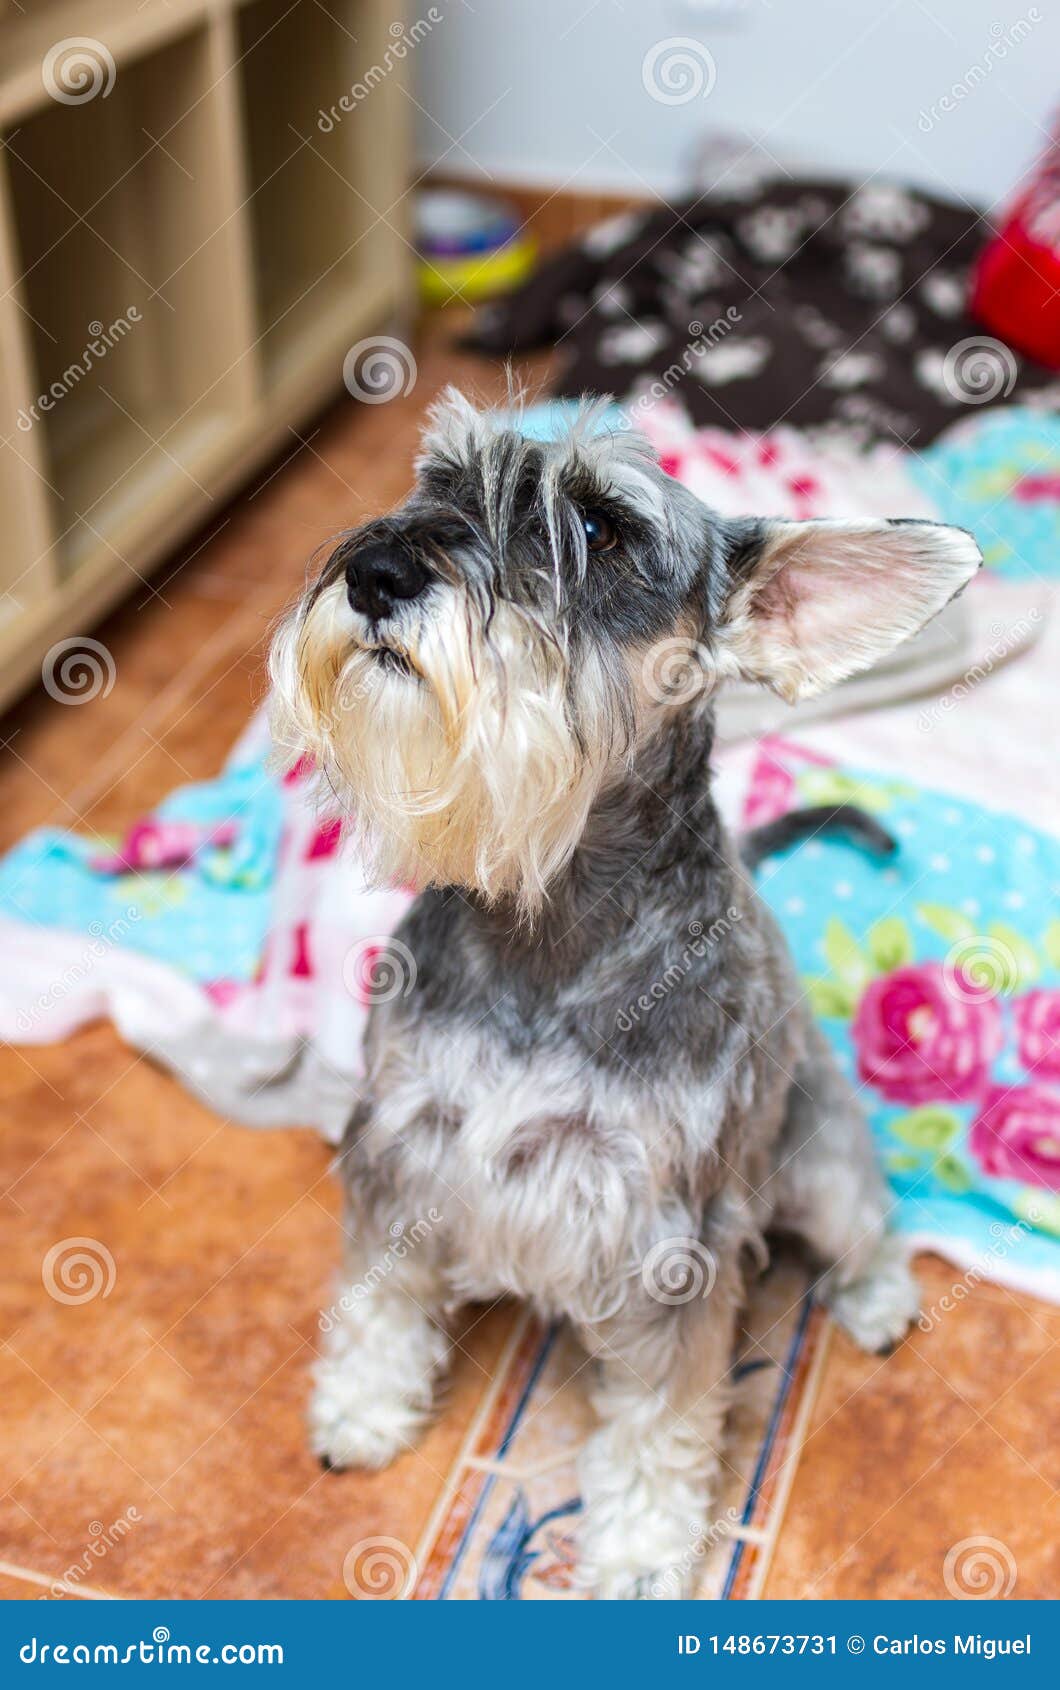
<point x="803" y="302"/>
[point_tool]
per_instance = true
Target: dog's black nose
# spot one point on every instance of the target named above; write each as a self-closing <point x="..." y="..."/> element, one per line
<point x="379" y="574"/>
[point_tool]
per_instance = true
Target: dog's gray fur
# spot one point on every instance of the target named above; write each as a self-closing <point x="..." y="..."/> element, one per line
<point x="603" y="1077"/>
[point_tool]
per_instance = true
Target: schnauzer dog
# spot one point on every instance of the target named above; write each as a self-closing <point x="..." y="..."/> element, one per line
<point x="602" y="1081"/>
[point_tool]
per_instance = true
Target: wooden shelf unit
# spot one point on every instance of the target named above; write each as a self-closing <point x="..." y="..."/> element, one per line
<point x="185" y="259"/>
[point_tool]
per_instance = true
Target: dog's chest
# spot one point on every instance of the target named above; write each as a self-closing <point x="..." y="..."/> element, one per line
<point x="546" y="1171"/>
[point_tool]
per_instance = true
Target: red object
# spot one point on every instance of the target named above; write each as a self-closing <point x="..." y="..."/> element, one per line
<point x="1016" y="284"/>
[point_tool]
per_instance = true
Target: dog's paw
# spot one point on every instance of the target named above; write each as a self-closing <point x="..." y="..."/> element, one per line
<point x="368" y="1408"/>
<point x="878" y="1308"/>
<point x="636" y="1559"/>
<point x="348" y="1427"/>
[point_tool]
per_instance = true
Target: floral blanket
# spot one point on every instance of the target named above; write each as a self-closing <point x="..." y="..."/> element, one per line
<point x="937" y="980"/>
<point x="233" y="937"/>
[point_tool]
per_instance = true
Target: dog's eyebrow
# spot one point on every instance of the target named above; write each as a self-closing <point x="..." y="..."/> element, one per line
<point x="439" y="475"/>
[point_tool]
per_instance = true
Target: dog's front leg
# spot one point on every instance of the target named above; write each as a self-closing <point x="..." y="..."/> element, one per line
<point x="383" y="1349"/>
<point x="648" y="1475"/>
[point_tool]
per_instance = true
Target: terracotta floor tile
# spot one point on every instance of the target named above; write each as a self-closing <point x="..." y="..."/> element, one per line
<point x="902" y="1461"/>
<point x="1024" y="1416"/>
<point x="180" y="1394"/>
<point x="347" y="1510"/>
<point x="14" y="1589"/>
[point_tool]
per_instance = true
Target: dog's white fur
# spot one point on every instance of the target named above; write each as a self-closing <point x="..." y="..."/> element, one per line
<point x="476" y="778"/>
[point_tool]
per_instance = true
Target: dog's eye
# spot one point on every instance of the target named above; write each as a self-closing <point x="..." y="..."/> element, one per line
<point x="600" y="532"/>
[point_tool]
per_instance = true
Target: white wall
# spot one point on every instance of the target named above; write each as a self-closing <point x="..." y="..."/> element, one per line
<point x="552" y="90"/>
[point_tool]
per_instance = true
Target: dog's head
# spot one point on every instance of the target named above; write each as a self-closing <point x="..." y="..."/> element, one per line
<point x="471" y="671"/>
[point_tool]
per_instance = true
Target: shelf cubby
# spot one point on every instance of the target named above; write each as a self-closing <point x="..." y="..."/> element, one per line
<point x="130" y="313"/>
<point x="185" y="257"/>
<point x="313" y="203"/>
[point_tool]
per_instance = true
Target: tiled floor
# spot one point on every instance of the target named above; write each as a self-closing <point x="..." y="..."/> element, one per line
<point x="152" y="1439"/>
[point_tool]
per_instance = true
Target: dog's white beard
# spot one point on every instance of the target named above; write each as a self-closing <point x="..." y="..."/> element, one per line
<point x="469" y="774"/>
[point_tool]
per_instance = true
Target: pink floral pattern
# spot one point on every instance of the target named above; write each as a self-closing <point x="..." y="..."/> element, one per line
<point x="1016" y="1135"/>
<point x="922" y="1037"/>
<point x="1037" y="1018"/>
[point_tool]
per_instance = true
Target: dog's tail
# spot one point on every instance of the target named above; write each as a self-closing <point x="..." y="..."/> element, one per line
<point x="860" y="828"/>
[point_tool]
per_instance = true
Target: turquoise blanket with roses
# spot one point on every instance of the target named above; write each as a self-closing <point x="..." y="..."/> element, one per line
<point x="937" y="980"/>
<point x="936" y="976"/>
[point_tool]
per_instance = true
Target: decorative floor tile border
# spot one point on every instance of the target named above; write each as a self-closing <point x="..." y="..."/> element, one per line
<point x="504" y="1528"/>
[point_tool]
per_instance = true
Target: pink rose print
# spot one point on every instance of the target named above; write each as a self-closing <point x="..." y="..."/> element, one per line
<point x="1038" y="1031"/>
<point x="1017" y="1135"/>
<point x="772" y="791"/>
<point x="918" y="1041"/>
<point x="156" y="844"/>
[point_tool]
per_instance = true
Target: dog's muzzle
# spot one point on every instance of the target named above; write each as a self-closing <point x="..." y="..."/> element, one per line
<point x="380" y="574"/>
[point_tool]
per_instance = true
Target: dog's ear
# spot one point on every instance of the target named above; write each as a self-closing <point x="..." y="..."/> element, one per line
<point x="809" y="603"/>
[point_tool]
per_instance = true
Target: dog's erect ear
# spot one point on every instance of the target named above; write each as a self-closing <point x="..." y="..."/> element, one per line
<point x="810" y="603"/>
